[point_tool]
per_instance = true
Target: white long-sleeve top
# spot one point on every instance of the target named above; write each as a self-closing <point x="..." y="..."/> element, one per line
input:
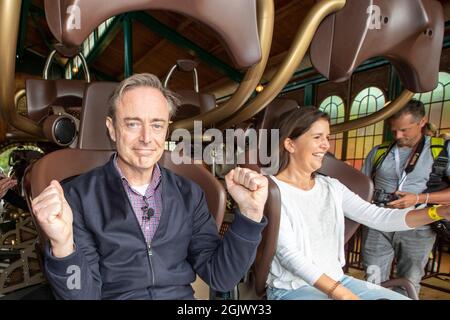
<point x="311" y="237"/>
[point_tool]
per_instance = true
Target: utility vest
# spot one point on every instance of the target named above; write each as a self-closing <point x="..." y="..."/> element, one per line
<point x="437" y="181"/>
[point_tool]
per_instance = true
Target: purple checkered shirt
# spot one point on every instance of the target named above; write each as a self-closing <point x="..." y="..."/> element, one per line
<point x="153" y="199"/>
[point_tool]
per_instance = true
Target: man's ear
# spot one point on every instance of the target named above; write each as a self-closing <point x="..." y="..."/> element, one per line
<point x="422" y="122"/>
<point x="111" y="129"/>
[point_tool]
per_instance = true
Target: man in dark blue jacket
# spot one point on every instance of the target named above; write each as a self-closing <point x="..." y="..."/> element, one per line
<point x="132" y="229"/>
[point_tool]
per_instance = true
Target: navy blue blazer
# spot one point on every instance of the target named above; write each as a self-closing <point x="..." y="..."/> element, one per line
<point x="112" y="260"/>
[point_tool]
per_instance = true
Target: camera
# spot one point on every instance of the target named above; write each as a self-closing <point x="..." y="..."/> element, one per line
<point x="382" y="198"/>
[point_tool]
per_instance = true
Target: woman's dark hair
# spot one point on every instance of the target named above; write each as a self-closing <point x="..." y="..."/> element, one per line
<point x="292" y="124"/>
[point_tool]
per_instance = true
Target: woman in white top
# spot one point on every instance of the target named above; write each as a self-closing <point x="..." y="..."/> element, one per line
<point x="310" y="249"/>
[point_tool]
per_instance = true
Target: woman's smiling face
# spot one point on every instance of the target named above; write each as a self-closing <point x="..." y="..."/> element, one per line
<point x="309" y="149"/>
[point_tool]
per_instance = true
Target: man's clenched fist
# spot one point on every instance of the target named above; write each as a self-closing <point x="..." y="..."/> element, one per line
<point x="249" y="189"/>
<point x="55" y="218"/>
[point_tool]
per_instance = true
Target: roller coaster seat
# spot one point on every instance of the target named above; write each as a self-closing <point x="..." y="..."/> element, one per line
<point x="354" y="180"/>
<point x="94" y="149"/>
<point x="192" y="102"/>
<point x="42" y="94"/>
<point x="55" y="105"/>
<point x="412" y="42"/>
<point x="67" y="163"/>
<point x="93" y="133"/>
<point x="94" y="137"/>
<point x="349" y="176"/>
<point x="215" y="14"/>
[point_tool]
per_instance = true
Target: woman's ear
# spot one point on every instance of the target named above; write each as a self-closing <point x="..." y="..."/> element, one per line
<point x="289" y="145"/>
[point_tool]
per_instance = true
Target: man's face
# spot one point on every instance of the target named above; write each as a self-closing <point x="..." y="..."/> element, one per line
<point x="139" y="129"/>
<point x="406" y="130"/>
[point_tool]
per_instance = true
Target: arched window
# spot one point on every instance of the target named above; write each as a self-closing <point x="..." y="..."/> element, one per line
<point x="362" y="140"/>
<point x="437" y="103"/>
<point x="334" y="106"/>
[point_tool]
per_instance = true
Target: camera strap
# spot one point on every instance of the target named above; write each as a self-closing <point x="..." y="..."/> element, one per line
<point x="410" y="163"/>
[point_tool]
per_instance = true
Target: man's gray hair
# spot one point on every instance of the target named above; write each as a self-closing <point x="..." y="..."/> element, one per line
<point x="414" y="108"/>
<point x="141" y="80"/>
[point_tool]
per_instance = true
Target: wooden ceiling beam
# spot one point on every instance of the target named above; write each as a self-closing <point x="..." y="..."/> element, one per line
<point x="279" y="14"/>
<point x="274" y="61"/>
<point x="159" y="45"/>
<point x="183" y="42"/>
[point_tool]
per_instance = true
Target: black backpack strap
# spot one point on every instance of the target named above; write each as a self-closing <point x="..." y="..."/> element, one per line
<point x="438" y="179"/>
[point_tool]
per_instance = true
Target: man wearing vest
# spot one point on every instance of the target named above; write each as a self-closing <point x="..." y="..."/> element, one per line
<point x="411" y="171"/>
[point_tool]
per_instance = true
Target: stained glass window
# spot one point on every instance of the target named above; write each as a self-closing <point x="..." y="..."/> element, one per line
<point x="334" y="106"/>
<point x="437" y="103"/>
<point x="362" y="140"/>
